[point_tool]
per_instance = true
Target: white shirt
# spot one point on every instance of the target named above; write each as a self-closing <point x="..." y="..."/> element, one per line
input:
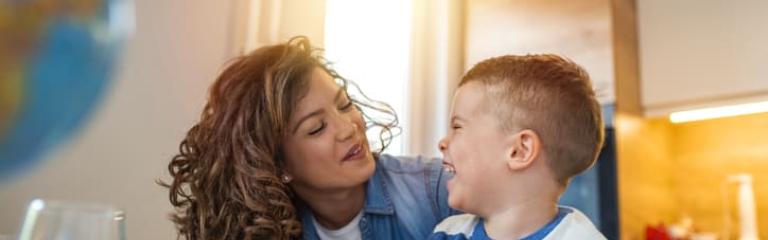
<point x="349" y="232"/>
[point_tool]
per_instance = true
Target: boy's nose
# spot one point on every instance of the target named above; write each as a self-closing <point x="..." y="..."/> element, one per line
<point x="442" y="145"/>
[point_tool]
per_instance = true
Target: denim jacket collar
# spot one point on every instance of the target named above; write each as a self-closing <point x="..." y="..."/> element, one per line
<point x="377" y="199"/>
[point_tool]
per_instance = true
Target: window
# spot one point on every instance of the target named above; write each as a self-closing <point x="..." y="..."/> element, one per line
<point x="369" y="44"/>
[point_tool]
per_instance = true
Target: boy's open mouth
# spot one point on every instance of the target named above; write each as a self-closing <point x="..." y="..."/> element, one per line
<point x="449" y="167"/>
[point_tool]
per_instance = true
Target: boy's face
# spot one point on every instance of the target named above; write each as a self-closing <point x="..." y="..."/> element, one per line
<point x="474" y="149"/>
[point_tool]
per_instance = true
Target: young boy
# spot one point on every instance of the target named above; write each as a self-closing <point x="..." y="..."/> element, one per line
<point x="521" y="127"/>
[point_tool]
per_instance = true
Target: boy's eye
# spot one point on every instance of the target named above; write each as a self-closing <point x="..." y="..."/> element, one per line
<point x="317" y="130"/>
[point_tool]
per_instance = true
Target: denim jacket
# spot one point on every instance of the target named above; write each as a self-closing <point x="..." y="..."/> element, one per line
<point x="405" y="198"/>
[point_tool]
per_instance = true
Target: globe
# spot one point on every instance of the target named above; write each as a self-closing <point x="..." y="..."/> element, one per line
<point x="56" y="62"/>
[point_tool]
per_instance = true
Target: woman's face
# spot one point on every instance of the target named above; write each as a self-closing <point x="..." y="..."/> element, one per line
<point x="325" y="146"/>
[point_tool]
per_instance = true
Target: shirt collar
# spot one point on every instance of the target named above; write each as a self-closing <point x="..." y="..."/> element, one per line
<point x="377" y="199"/>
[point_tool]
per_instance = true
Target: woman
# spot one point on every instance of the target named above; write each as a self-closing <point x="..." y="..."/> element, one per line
<point x="280" y="152"/>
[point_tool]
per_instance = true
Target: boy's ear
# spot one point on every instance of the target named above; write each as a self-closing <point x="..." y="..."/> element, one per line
<point x="524" y="149"/>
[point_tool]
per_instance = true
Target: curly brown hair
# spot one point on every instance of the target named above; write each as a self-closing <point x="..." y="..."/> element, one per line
<point x="226" y="177"/>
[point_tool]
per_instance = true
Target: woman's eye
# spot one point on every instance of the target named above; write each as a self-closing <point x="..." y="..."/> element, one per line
<point x="455" y="127"/>
<point x="346" y="107"/>
<point x="318" y="129"/>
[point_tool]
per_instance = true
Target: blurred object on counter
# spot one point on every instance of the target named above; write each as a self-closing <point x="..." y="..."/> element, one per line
<point x="658" y="232"/>
<point x="746" y="202"/>
<point x="61" y="220"/>
<point x="681" y="230"/>
<point x="56" y="61"/>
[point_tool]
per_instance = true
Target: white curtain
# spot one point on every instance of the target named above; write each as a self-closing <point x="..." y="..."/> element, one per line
<point x="437" y="65"/>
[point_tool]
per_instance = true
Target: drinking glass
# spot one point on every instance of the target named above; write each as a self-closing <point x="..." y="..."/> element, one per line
<point x="67" y="220"/>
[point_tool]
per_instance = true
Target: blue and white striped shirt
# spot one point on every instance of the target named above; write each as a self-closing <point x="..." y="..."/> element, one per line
<point x="569" y="223"/>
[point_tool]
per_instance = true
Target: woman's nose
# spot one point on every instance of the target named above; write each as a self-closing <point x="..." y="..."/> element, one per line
<point x="347" y="129"/>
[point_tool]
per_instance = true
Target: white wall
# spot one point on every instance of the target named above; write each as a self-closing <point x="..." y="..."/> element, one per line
<point x="178" y="48"/>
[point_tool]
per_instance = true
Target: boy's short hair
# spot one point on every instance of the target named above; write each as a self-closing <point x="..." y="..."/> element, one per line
<point x="553" y="97"/>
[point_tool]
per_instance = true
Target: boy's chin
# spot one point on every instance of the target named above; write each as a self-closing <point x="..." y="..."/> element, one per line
<point x="456" y="202"/>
